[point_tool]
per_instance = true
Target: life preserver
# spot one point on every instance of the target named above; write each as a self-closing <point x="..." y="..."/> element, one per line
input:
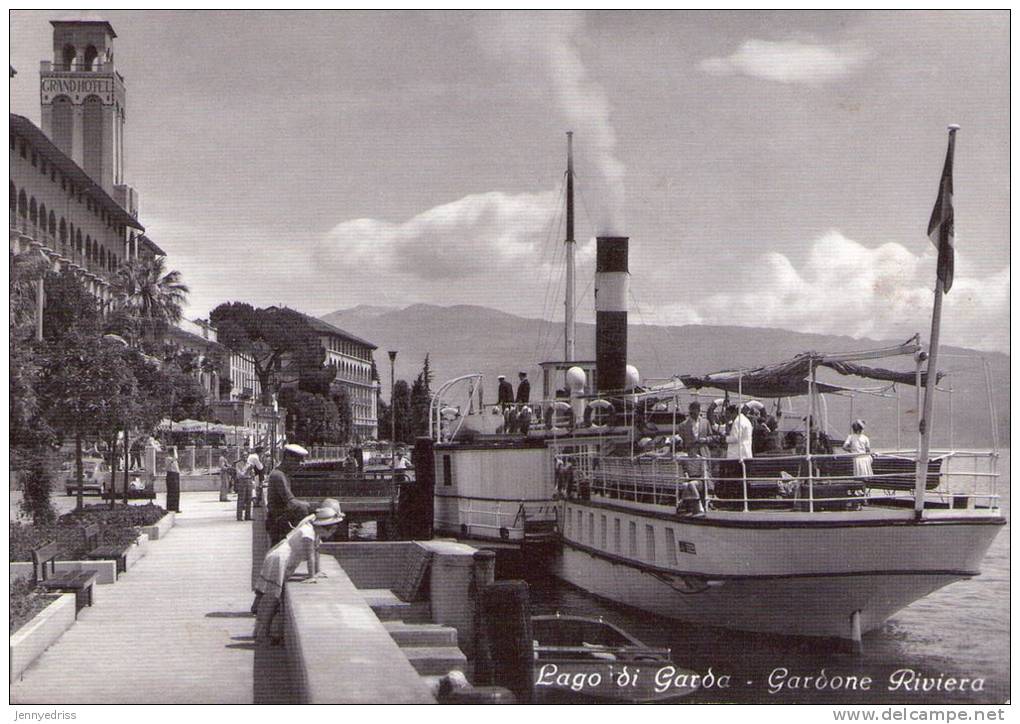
<point x="605" y="408"/>
<point x="555" y="409"/>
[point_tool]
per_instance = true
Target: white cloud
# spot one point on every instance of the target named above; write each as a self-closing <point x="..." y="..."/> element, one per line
<point x="843" y="287"/>
<point x="788" y="61"/>
<point x="494" y="249"/>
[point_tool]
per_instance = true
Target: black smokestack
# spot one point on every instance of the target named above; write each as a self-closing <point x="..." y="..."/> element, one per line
<point x="612" y="285"/>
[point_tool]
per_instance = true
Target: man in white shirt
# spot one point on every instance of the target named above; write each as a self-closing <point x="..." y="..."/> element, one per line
<point x="255" y="469"/>
<point x="738" y="439"/>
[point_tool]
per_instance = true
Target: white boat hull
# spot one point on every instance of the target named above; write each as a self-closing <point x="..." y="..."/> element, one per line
<point x="803" y="581"/>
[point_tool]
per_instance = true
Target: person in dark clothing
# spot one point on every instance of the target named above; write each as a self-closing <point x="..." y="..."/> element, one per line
<point x="505" y="392"/>
<point x="523" y="389"/>
<point x="136" y="453"/>
<point x="173" y="482"/>
<point x="283" y="510"/>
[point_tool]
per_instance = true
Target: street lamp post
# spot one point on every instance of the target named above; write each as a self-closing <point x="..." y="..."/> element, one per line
<point x="393" y="417"/>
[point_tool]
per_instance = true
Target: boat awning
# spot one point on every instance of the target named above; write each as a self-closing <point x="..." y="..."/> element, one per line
<point x="792" y="378"/>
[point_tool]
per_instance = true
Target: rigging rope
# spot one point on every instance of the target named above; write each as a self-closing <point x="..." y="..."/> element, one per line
<point x="553" y="228"/>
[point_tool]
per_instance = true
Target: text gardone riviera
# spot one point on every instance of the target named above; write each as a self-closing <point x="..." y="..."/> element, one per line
<point x="908" y="680"/>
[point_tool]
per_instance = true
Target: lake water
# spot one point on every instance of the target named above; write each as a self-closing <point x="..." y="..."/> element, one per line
<point x="959" y="631"/>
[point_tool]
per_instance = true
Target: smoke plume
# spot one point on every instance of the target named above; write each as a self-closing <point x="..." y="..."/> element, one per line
<point x="551" y="42"/>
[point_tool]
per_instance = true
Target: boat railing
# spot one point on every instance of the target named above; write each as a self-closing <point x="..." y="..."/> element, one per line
<point x="815" y="483"/>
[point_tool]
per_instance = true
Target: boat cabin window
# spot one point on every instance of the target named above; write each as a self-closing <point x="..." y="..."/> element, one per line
<point x="671" y="545"/>
<point x="447" y="471"/>
<point x="602" y="531"/>
<point x="633" y="539"/>
<point x="591" y="529"/>
<point x="616" y="535"/>
<point x="650" y="543"/>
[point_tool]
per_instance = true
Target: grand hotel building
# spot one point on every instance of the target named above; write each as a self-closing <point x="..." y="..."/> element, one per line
<point x="69" y="202"/>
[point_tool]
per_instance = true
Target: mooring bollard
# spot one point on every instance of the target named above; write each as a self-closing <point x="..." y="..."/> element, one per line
<point x="482" y="576"/>
<point x="506" y="607"/>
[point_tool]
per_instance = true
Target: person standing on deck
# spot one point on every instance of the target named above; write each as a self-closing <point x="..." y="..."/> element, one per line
<point x="523" y="389"/>
<point x="738" y="438"/>
<point x="859" y="445"/>
<point x="283" y="510"/>
<point x="505" y="393"/>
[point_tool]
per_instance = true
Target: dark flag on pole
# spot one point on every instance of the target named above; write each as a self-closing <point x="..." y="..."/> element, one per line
<point x="940" y="227"/>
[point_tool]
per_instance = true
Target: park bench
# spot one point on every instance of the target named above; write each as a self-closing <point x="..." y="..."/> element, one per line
<point x="80" y="583"/>
<point x="109" y="552"/>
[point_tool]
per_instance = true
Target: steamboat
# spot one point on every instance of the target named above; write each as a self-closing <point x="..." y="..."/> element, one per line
<point x="598" y="480"/>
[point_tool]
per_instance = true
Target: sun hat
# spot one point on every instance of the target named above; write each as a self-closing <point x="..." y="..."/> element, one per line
<point x="295" y="449"/>
<point x="327" y="516"/>
<point x="331" y="503"/>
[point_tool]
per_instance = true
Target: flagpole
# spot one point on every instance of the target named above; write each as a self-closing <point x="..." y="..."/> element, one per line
<point x="932" y="375"/>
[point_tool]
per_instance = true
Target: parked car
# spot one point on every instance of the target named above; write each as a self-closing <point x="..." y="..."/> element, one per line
<point x="96" y="476"/>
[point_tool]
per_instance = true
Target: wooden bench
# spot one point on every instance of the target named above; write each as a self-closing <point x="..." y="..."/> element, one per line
<point x="80" y="583"/>
<point x="110" y="552"/>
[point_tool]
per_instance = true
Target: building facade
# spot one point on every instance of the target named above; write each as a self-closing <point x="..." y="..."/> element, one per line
<point x="244" y="383"/>
<point x="68" y="199"/>
<point x="351" y="357"/>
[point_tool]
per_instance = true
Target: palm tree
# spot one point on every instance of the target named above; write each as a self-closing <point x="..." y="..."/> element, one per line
<point x="149" y="293"/>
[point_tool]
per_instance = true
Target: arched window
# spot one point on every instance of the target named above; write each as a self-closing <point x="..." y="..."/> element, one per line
<point x="88" y="248"/>
<point x="63" y="233"/>
<point x="53" y="223"/>
<point x="22" y="203"/>
<point x="33" y="212"/>
<point x="42" y="217"/>
<point x="78" y="243"/>
<point x="91" y="58"/>
<point x="69" y="55"/>
<point x="102" y="257"/>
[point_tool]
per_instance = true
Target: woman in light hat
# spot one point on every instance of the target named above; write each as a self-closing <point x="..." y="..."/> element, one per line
<point x="283" y="559"/>
<point x="859" y="445"/>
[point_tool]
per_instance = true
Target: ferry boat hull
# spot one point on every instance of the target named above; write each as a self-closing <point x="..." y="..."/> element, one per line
<point x="776" y="579"/>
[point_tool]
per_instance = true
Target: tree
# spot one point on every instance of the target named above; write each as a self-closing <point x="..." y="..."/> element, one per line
<point x="345" y="413"/>
<point x="401" y="409"/>
<point x="85" y="388"/>
<point x="26" y="272"/>
<point x="421" y="398"/>
<point x="266" y="337"/>
<point x="69" y="308"/>
<point x="151" y="294"/>
<point x="311" y="419"/>
<point x="383" y="419"/>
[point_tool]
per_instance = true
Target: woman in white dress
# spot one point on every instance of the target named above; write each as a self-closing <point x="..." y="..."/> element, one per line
<point x="859" y="445"/>
<point x="299" y="546"/>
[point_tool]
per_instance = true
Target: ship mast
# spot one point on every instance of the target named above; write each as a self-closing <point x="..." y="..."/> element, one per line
<point x="568" y="333"/>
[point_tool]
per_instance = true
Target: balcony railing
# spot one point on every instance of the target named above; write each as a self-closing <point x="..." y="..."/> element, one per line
<point x="48" y="66"/>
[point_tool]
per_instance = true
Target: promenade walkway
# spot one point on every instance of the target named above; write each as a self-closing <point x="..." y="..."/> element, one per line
<point x="174" y="629"/>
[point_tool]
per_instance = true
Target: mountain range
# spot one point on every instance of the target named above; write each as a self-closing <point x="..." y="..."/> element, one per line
<point x="461" y="339"/>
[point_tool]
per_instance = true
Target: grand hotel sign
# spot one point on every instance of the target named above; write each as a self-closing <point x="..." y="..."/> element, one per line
<point x="77" y="88"/>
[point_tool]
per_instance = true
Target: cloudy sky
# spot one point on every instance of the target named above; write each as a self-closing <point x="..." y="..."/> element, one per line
<point x="771" y="169"/>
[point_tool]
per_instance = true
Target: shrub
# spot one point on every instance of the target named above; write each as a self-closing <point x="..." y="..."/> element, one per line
<point x="37" y="484"/>
<point x="121" y="515"/>
<point x="26" y="602"/>
<point x="116" y="527"/>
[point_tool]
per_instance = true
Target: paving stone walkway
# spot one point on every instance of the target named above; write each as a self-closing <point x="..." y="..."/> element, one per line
<point x="174" y="629"/>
